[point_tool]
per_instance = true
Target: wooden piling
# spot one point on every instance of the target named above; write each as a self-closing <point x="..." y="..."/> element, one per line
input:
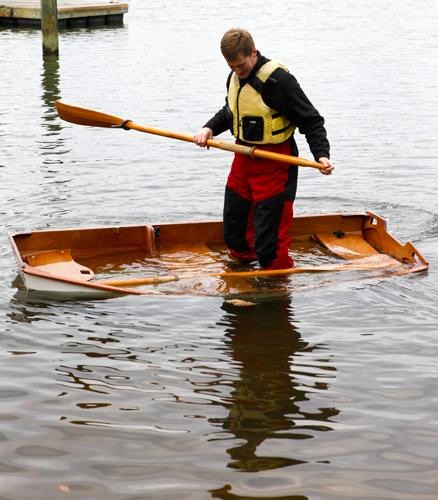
<point x="49" y="27"/>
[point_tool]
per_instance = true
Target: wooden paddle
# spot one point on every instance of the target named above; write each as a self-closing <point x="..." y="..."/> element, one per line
<point x="83" y="116"/>
<point x="155" y="280"/>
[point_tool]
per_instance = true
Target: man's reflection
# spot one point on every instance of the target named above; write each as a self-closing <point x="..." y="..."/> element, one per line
<point x="268" y="399"/>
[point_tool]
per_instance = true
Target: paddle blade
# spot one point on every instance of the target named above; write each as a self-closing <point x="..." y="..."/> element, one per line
<point x="83" y="116"/>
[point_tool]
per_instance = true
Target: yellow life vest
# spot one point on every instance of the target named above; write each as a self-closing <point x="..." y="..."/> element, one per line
<point x="253" y="121"/>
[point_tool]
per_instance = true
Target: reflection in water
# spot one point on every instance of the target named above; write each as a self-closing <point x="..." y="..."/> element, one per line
<point x="270" y="382"/>
<point x="23" y="310"/>
<point x="51" y="93"/>
<point x="52" y="141"/>
<point x="278" y="374"/>
<point x="226" y="494"/>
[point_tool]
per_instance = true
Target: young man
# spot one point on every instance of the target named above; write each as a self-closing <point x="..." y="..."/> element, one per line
<point x="264" y="106"/>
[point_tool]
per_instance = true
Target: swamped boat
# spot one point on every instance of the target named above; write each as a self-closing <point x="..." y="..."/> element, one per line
<point x="191" y="258"/>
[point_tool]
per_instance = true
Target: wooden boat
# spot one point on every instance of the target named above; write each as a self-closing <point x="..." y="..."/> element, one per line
<point x="190" y="257"/>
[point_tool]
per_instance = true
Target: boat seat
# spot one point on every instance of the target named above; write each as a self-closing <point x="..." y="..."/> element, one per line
<point x="346" y="246"/>
<point x="354" y="247"/>
<point x="59" y="263"/>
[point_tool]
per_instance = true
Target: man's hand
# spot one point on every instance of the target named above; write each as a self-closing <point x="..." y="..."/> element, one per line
<point x="202" y="136"/>
<point x="329" y="167"/>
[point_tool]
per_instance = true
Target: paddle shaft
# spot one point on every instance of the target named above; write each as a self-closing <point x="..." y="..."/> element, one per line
<point x="91" y="118"/>
<point x="229" y="146"/>
<point x="156" y="280"/>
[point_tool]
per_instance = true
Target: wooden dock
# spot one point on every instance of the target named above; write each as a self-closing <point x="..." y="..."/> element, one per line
<point x="71" y="13"/>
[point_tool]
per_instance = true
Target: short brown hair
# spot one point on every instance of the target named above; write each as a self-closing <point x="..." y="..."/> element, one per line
<point x="236" y="41"/>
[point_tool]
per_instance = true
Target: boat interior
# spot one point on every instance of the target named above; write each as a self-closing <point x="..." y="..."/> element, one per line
<point x="196" y="249"/>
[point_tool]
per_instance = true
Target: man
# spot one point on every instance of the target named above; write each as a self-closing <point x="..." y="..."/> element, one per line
<point x="264" y="106"/>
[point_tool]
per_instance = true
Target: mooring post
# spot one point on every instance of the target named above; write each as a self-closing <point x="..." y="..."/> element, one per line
<point x="49" y="26"/>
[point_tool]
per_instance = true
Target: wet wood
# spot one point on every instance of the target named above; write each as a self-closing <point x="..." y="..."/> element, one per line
<point x="49" y="27"/>
<point x="59" y="263"/>
<point x="71" y="13"/>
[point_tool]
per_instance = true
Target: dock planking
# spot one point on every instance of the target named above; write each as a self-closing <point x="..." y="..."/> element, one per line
<point x="71" y="13"/>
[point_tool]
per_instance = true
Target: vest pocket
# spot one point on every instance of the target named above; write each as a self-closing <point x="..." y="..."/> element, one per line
<point x="252" y="128"/>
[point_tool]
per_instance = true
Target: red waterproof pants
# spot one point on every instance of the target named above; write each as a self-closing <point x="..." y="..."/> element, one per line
<point x="258" y="209"/>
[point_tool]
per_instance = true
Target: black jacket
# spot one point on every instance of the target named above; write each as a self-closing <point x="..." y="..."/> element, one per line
<point x="283" y="93"/>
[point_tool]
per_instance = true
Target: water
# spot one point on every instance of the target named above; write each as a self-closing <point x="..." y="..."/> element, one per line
<point x="327" y="393"/>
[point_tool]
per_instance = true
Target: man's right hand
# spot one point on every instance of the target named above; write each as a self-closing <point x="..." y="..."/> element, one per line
<point x="328" y="164"/>
<point x="202" y="136"/>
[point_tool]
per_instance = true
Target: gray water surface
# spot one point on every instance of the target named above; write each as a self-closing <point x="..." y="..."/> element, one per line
<point x="329" y="392"/>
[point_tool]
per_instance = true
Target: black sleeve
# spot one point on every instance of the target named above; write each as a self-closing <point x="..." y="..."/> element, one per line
<point x="284" y="94"/>
<point x="221" y="121"/>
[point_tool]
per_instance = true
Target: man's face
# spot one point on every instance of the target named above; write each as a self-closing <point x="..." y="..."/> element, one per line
<point x="242" y="65"/>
